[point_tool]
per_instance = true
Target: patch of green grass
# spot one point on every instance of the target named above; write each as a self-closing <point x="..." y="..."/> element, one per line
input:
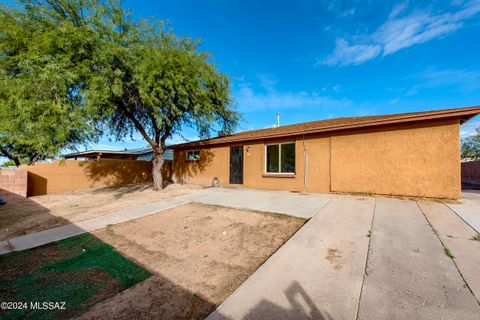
<point x="369" y="234"/>
<point x="448" y="253"/>
<point x="81" y="271"/>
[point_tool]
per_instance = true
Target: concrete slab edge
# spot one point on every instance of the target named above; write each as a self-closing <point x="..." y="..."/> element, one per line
<point x="461" y="218"/>
<point x="240" y="287"/>
<point x="366" y="259"/>
<point x="445" y="248"/>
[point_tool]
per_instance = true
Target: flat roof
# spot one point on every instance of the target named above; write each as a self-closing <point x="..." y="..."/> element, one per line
<point x="110" y="152"/>
<point x="336" y="124"/>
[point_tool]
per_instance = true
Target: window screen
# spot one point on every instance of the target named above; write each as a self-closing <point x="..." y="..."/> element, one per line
<point x="193" y="155"/>
<point x="280" y="158"/>
<point x="272" y="158"/>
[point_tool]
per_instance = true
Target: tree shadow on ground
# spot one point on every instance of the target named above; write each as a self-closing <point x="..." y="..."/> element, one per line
<point x="83" y="271"/>
<point x="301" y="307"/>
<point x="20" y="216"/>
<point x="154" y="298"/>
<point x="120" y="191"/>
<point x="75" y="273"/>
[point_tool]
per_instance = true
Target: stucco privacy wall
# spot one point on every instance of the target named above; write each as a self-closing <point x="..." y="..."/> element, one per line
<point x="60" y="176"/>
<point x="13" y="184"/>
<point x="471" y="174"/>
<point x="420" y="160"/>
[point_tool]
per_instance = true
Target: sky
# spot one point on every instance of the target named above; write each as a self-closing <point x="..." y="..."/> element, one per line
<point x="311" y="60"/>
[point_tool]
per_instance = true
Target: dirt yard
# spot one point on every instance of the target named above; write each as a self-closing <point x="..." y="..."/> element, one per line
<point x="199" y="254"/>
<point x="80" y="271"/>
<point x="44" y="212"/>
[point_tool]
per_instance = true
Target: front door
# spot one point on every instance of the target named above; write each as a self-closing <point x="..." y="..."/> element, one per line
<point x="236" y="165"/>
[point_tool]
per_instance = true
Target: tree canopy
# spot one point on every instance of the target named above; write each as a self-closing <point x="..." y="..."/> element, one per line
<point x="41" y="72"/>
<point x="471" y="147"/>
<point x="124" y="75"/>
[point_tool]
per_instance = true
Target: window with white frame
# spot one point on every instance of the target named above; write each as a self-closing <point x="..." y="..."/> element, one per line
<point x="193" y="155"/>
<point x="280" y="158"/>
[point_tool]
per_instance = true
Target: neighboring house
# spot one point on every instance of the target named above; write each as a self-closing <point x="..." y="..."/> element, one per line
<point x="144" y="154"/>
<point x="410" y="154"/>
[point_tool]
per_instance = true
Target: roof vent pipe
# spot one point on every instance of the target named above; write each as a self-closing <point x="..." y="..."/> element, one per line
<point x="278" y="119"/>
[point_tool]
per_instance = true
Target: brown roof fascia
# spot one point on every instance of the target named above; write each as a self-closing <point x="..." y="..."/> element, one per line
<point x="464" y="114"/>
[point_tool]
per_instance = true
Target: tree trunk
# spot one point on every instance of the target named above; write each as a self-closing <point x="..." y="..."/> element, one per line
<point x="16" y="161"/>
<point x="157" y="164"/>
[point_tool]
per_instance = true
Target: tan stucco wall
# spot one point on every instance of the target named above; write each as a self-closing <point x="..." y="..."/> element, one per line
<point x="214" y="162"/>
<point x="60" y="176"/>
<point x="409" y="160"/>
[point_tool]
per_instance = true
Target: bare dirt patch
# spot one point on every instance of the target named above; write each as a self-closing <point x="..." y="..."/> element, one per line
<point x="44" y="212"/>
<point x="199" y="254"/>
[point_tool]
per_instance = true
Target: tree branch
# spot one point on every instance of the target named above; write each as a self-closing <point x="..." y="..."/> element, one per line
<point x="124" y="107"/>
<point x="10" y="156"/>
<point x="156" y="129"/>
<point x="140" y="128"/>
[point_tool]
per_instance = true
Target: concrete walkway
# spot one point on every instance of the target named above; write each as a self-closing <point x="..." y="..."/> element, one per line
<point x="296" y="204"/>
<point x="37" y="239"/>
<point x="458" y="238"/>
<point x="469" y="209"/>
<point x="317" y="274"/>
<point x="303" y="205"/>
<point x="408" y="274"/>
<point x="356" y="258"/>
<point x="331" y="269"/>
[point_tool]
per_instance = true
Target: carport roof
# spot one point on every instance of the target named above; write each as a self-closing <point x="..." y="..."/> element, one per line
<point x="336" y="124"/>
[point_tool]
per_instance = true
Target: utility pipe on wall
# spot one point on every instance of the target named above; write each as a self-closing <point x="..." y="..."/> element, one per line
<point x="305" y="164"/>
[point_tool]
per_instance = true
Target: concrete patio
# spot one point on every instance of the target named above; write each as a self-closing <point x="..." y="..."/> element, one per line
<point x="369" y="258"/>
<point x="283" y="202"/>
<point x="356" y="258"/>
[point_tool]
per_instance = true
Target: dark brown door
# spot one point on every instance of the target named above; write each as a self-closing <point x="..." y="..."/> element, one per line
<point x="236" y="165"/>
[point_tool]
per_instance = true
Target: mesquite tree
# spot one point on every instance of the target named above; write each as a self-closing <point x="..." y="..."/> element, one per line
<point x="471" y="147"/>
<point x="41" y="71"/>
<point x="156" y="85"/>
<point x="139" y="76"/>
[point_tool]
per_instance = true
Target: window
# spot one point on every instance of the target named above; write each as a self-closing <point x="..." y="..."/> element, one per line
<point x="280" y="158"/>
<point x="193" y="155"/>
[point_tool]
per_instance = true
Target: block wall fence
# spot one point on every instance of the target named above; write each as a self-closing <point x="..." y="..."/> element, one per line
<point x="471" y="174"/>
<point x="13" y="184"/>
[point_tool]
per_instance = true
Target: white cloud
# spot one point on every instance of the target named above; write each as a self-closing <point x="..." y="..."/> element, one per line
<point x="267" y="82"/>
<point x="469" y="129"/>
<point x="394" y="101"/>
<point x="249" y="100"/>
<point x="345" y="54"/>
<point x="400" y="31"/>
<point x="462" y="80"/>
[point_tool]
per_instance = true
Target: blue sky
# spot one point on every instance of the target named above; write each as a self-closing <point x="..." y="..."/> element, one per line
<point x="311" y="60"/>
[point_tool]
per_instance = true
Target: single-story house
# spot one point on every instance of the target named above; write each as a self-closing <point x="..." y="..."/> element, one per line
<point x="143" y="154"/>
<point x="409" y="154"/>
